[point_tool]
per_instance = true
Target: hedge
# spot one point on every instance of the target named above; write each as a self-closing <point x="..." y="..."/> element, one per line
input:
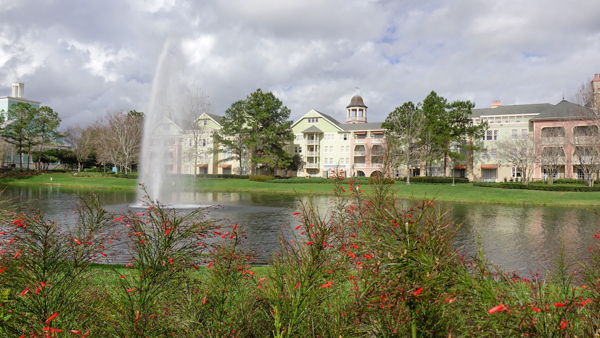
<point x="315" y="180"/>
<point x="542" y="187"/>
<point x="261" y="178"/>
<point x="419" y="179"/>
<point x="240" y="177"/>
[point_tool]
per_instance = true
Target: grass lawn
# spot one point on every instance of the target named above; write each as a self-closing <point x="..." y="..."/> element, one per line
<point x="465" y="193"/>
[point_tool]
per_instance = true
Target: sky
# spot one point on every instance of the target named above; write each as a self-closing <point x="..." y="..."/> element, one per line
<point x="83" y="58"/>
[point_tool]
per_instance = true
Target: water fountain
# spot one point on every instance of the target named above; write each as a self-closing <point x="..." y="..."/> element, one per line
<point x="158" y="142"/>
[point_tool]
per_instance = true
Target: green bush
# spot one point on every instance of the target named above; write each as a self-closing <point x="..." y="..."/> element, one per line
<point x="419" y="179"/>
<point x="299" y="180"/>
<point x="381" y="180"/>
<point x="240" y="177"/>
<point x="543" y="187"/>
<point x="261" y="178"/>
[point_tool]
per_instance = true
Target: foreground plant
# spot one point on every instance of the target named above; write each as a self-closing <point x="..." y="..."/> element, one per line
<point x="45" y="269"/>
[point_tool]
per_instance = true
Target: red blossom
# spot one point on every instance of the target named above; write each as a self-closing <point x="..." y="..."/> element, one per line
<point x="139" y="214"/>
<point x="167" y="233"/>
<point x="535" y="309"/>
<point x="75" y="331"/>
<point x="2" y="270"/>
<point x="130" y="290"/>
<point x="563" y="324"/>
<point x="418" y="291"/>
<point x="209" y="265"/>
<point x="559" y="304"/>
<point x="51" y="317"/>
<point x="309" y="243"/>
<point x="17" y="221"/>
<point x="296" y="213"/>
<point x="497" y="308"/>
<point x="297" y="286"/>
<point x="17" y="254"/>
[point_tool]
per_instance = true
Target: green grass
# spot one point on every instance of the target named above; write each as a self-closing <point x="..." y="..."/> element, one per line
<point x="462" y="193"/>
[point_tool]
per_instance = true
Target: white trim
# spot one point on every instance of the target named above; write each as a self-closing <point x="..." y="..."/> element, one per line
<point x="323" y="117"/>
<point x="218" y="124"/>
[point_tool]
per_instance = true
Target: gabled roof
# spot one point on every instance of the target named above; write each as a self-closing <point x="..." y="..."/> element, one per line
<point x="565" y="110"/>
<point x="325" y="116"/>
<point x="362" y="126"/>
<point x="518" y="109"/>
<point x="312" y="129"/>
<point x="216" y="118"/>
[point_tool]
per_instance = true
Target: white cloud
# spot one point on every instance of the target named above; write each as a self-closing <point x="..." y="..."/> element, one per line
<point x="102" y="61"/>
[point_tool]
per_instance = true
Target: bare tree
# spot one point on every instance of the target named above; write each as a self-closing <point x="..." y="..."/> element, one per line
<point x="519" y="153"/>
<point x="551" y="151"/>
<point x="5" y="150"/>
<point x="81" y="142"/>
<point x="405" y="125"/>
<point x="586" y="149"/>
<point x="197" y="141"/>
<point x="118" y="137"/>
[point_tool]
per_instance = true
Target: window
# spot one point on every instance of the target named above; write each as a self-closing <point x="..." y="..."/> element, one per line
<point x="344" y="137"/>
<point x="204" y="142"/>
<point x="488" y="135"/>
<point x="379" y="135"/>
<point x="516" y="172"/>
<point x="342" y="149"/>
<point x="187" y="169"/>
<point x="331" y="161"/>
<point x="361" y="136"/>
<point x="496" y="134"/>
<point x="484" y="155"/>
<point x="313" y="120"/>
<point x="347" y="160"/>
<point x="494" y="154"/>
<point x="325" y="159"/>
<point x="296" y="150"/>
<point x="205" y="122"/>
<point x="300" y="150"/>
<point x="524" y="133"/>
<point x="331" y="149"/>
<point x="347" y="149"/>
<point x="326" y="149"/>
<point x="513" y="134"/>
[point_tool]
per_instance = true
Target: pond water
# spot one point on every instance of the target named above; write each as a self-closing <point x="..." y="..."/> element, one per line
<point x="517" y="238"/>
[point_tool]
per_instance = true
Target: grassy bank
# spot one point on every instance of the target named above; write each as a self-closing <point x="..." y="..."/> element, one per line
<point x="462" y="193"/>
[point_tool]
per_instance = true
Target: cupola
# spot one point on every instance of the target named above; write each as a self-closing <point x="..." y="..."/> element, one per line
<point x="356" y="110"/>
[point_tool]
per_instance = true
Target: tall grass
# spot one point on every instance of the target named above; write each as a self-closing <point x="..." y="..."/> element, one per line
<point x="367" y="265"/>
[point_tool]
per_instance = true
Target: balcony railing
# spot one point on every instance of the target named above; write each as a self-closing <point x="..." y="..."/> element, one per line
<point x="584" y="139"/>
<point x="312" y="153"/>
<point x="376" y="165"/>
<point x="553" y="140"/>
<point x="359" y="153"/>
<point x="377" y="140"/>
<point x="377" y="152"/>
<point x="360" y="140"/>
<point x="312" y="165"/>
<point x="312" y="142"/>
<point x="360" y="165"/>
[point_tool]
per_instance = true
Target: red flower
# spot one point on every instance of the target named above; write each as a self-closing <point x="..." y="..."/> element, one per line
<point x="296" y="213"/>
<point x="368" y="256"/>
<point x="75" y="332"/>
<point x="17" y="254"/>
<point x="309" y="243"/>
<point x="51" y="317"/>
<point x="17" y="221"/>
<point x="167" y="233"/>
<point x="585" y="302"/>
<point x="76" y="241"/>
<point x="130" y="290"/>
<point x="2" y="270"/>
<point x="196" y="267"/>
<point x="535" y="309"/>
<point x="211" y="263"/>
<point x="418" y="291"/>
<point x="298" y="227"/>
<point x="563" y="324"/>
<point x="497" y="308"/>
<point x="327" y="285"/>
<point x="297" y="286"/>
<point x="559" y="304"/>
<point x="204" y="300"/>
<point x="139" y="214"/>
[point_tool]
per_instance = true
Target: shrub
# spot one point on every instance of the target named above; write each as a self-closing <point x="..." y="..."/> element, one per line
<point x="381" y="180"/>
<point x="261" y="178"/>
<point x="234" y="176"/>
<point x="299" y="180"/>
<point x="419" y="179"/>
<point x="543" y="187"/>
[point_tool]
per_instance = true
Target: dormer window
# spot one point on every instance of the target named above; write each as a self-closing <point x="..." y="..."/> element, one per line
<point x="205" y="122"/>
<point x="313" y="120"/>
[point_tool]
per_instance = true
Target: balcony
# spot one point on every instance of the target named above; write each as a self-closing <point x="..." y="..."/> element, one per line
<point x="360" y="165"/>
<point x="377" y="152"/>
<point x="584" y="139"/>
<point x="312" y="142"/>
<point x="312" y="153"/>
<point x="378" y="140"/>
<point x="553" y="140"/>
<point x="376" y="165"/>
<point x="360" y="140"/>
<point x="312" y="165"/>
<point x="360" y="153"/>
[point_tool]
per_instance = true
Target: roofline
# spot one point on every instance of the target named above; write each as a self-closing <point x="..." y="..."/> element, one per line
<point x="19" y="99"/>
<point x="318" y="112"/>
<point x="210" y="117"/>
<point x="530" y="114"/>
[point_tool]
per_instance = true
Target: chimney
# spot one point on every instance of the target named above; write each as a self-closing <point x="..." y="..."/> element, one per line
<point x="18" y="89"/>
<point x="596" y="78"/>
<point x="496" y="104"/>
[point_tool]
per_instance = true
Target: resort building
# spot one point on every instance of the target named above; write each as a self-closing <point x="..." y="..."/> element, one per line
<point x="326" y="144"/>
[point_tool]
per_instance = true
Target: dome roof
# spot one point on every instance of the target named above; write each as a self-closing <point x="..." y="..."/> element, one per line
<point x="357" y="101"/>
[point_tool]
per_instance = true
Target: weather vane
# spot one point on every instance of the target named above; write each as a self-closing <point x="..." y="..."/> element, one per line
<point x="357" y="90"/>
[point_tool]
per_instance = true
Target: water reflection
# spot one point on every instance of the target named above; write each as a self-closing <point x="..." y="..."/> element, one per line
<point x="520" y="238"/>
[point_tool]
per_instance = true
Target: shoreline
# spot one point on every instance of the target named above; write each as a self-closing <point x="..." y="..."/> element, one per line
<point x="464" y="193"/>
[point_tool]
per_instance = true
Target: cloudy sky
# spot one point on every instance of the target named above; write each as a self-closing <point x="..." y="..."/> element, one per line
<point x="83" y="58"/>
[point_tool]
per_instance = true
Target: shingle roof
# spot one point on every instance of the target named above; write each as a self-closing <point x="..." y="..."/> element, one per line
<point x="565" y="110"/>
<point x="362" y="126"/>
<point x="329" y="118"/>
<point x="217" y="118"/>
<point x="312" y="129"/>
<point x="519" y="109"/>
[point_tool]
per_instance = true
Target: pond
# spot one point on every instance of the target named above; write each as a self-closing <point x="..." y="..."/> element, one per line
<point x="517" y="238"/>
